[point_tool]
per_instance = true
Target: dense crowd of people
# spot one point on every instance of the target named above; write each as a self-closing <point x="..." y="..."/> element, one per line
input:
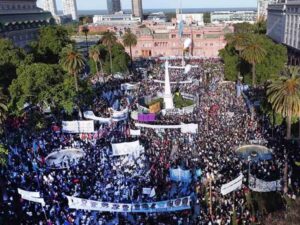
<point x="224" y="124"/>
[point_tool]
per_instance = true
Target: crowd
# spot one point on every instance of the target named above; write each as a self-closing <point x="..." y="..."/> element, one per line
<point x="224" y="124"/>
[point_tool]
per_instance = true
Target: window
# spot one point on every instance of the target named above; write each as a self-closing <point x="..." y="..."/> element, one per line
<point x="198" y="35"/>
<point x="173" y="36"/>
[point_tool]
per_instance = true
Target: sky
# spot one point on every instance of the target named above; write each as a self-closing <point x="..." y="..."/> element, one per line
<point x="159" y="4"/>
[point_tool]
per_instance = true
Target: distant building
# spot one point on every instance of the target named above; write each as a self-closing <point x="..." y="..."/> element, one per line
<point x="262" y="8"/>
<point x="164" y="40"/>
<point x="21" y="20"/>
<point x="50" y="6"/>
<point x="70" y="8"/>
<point x="137" y="8"/>
<point x="158" y="17"/>
<point x="113" y="6"/>
<point x="283" y="26"/>
<point x="192" y="18"/>
<point x="233" y="16"/>
<point x="116" y="19"/>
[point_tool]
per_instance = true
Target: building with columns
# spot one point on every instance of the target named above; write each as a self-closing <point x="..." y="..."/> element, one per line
<point x="283" y="26"/>
<point x="164" y="40"/>
<point x="20" y="20"/>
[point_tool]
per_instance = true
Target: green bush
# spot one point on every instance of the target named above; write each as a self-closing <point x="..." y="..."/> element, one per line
<point x="181" y="102"/>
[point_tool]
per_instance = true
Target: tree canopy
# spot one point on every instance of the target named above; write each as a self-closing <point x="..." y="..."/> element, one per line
<point x="10" y="58"/>
<point x="51" y="41"/>
<point x="268" y="68"/>
<point x="42" y="84"/>
<point x="284" y="96"/>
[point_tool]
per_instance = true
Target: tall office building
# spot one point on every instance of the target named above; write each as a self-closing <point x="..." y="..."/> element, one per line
<point x="50" y="6"/>
<point x="262" y="8"/>
<point x="113" y="6"/>
<point x="70" y="8"/>
<point x="137" y="8"/>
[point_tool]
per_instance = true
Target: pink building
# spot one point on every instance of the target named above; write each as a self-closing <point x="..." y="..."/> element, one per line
<point x="164" y="40"/>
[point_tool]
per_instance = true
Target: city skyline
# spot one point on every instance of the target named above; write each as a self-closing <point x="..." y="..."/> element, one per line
<point x="158" y="4"/>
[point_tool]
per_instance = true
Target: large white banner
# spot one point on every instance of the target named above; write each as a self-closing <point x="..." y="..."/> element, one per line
<point x="128" y="86"/>
<point x="185" y="128"/>
<point x="232" y="185"/>
<point x="120" y="115"/>
<point x="126" y="148"/>
<point x="163" y="206"/>
<point x="158" y="126"/>
<point x="180" y="82"/>
<point x="259" y="185"/>
<point x="91" y="116"/>
<point x="83" y="126"/>
<point x="31" y="196"/>
<point x="189" y="128"/>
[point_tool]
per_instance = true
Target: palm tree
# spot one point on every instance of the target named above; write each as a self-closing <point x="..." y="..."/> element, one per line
<point x="129" y="40"/>
<point x="253" y="53"/>
<point x="94" y="54"/>
<point x="72" y="61"/>
<point x="284" y="95"/>
<point x="109" y="39"/>
<point x="3" y="110"/>
<point x="239" y="41"/>
<point x="86" y="30"/>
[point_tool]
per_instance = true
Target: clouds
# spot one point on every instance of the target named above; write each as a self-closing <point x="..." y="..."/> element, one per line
<point x="151" y="4"/>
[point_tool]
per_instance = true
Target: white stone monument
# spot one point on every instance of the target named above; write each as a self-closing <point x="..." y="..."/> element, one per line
<point x="168" y="97"/>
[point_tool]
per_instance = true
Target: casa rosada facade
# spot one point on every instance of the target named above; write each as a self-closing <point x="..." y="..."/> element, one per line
<point x="166" y="41"/>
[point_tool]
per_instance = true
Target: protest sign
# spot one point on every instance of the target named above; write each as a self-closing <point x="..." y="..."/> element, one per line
<point x="232" y="185"/>
<point x="259" y="185"/>
<point x="180" y="175"/>
<point x="162" y="206"/>
<point x="84" y="126"/>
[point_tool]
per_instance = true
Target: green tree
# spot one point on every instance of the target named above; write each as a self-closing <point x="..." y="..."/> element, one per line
<point x="73" y="62"/>
<point x="253" y="53"/>
<point x="120" y="60"/>
<point x="274" y="62"/>
<point x="94" y="54"/>
<point x="51" y="41"/>
<point x="109" y="39"/>
<point x="3" y="155"/>
<point x="42" y="84"/>
<point x="85" y="30"/>
<point x="3" y="110"/>
<point x="260" y="27"/>
<point x="10" y="58"/>
<point x="269" y="68"/>
<point x="231" y="62"/>
<point x="239" y="41"/>
<point x="284" y="95"/>
<point x="129" y="40"/>
<point x="244" y="27"/>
